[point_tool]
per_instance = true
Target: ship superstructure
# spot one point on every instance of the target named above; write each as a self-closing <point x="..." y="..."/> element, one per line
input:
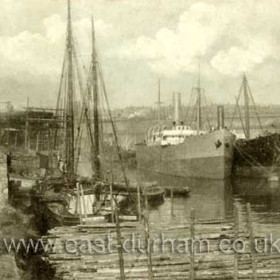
<point x="185" y="151"/>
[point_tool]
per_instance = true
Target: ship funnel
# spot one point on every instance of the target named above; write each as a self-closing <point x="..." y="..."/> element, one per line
<point x="220" y="117"/>
<point x="177" y="107"/>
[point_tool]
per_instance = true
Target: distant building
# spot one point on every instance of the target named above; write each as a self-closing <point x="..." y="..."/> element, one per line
<point x="6" y="106"/>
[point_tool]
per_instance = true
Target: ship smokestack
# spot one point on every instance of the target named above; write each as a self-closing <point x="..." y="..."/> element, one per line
<point x="177" y="107"/>
<point x="220" y="117"/>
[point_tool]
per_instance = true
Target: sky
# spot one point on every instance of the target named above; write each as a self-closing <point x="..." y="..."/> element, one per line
<point x="139" y="41"/>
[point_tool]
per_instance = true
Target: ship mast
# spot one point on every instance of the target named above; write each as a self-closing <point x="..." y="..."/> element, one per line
<point x="95" y="107"/>
<point x="198" y="104"/>
<point x="158" y="104"/>
<point x="246" y="107"/>
<point x="246" y="93"/>
<point x="70" y="148"/>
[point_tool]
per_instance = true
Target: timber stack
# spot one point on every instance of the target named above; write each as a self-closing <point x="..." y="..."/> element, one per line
<point x="156" y="263"/>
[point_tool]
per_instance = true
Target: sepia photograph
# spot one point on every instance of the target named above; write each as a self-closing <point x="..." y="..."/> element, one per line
<point x="139" y="139"/>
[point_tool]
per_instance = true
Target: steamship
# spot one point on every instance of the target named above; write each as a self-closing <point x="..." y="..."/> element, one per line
<point x="186" y="152"/>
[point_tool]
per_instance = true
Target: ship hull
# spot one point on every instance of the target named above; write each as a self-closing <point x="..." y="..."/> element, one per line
<point x="255" y="171"/>
<point x="202" y="156"/>
<point x="258" y="157"/>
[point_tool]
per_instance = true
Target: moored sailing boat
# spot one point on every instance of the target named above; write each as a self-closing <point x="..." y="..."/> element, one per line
<point x="63" y="197"/>
<point x="52" y="198"/>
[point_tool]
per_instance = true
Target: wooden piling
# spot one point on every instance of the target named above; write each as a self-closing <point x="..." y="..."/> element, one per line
<point x="147" y="239"/>
<point x="84" y="203"/>
<point x="172" y="202"/>
<point x="16" y="139"/>
<point x="192" y="236"/>
<point x="146" y="205"/>
<point x="37" y="141"/>
<point x="112" y="203"/>
<point x="26" y="141"/>
<point x="252" y="242"/>
<point x="139" y="202"/>
<point x="213" y="264"/>
<point x="119" y="241"/>
<point x="236" y="234"/>
<point x="79" y="203"/>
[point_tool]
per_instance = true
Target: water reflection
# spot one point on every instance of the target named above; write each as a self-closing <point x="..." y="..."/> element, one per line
<point x="258" y="192"/>
<point x="264" y="198"/>
<point x="210" y="198"/>
<point x="215" y="199"/>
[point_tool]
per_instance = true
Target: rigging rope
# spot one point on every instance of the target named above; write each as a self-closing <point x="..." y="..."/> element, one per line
<point x="234" y="112"/>
<point x="255" y="108"/>
<point x="112" y="123"/>
<point x="253" y="162"/>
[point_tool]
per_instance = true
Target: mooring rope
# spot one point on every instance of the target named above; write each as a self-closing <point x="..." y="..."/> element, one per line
<point x="251" y="158"/>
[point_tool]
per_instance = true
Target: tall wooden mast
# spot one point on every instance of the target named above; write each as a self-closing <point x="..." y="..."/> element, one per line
<point x="249" y="103"/>
<point x="246" y="107"/>
<point x="97" y="164"/>
<point x="69" y="141"/>
<point x="159" y="103"/>
<point x="198" y="104"/>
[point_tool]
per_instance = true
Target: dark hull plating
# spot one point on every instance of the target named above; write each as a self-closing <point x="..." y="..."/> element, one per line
<point x="258" y="157"/>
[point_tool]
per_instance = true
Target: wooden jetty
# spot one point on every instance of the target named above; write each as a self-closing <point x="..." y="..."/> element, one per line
<point x="161" y="261"/>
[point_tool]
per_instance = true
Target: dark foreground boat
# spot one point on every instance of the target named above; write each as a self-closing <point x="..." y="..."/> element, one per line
<point x="153" y="192"/>
<point x="52" y="211"/>
<point x="177" y="190"/>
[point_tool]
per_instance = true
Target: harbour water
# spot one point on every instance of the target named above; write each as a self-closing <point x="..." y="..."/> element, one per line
<point x="211" y="199"/>
<point x="215" y="199"/>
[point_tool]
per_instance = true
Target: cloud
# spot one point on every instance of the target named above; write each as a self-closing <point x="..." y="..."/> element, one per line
<point x="55" y="28"/>
<point x="31" y="61"/>
<point x="231" y="36"/>
<point x="237" y="60"/>
<point x="138" y="40"/>
<point x="42" y="54"/>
